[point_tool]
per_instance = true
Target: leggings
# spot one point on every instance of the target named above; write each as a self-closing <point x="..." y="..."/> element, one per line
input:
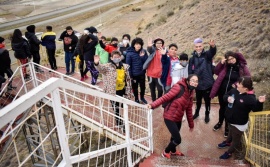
<point x="205" y="95"/>
<point x="174" y="128"/>
<point x="94" y="72"/>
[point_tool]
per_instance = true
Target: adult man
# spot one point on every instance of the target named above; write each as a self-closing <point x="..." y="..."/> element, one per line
<point x="48" y="40"/>
<point x="201" y="64"/>
<point x="70" y="41"/>
<point x="34" y="45"/>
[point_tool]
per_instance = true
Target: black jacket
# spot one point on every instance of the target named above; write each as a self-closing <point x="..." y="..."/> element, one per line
<point x="243" y="104"/>
<point x="73" y="38"/>
<point x="4" y="60"/>
<point x="21" y="49"/>
<point x="33" y="41"/>
<point x="89" y="49"/>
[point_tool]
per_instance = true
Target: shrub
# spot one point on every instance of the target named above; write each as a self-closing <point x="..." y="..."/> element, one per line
<point x="138" y="32"/>
<point x="149" y="25"/>
<point x="161" y="20"/>
<point x="136" y="9"/>
<point x="170" y="13"/>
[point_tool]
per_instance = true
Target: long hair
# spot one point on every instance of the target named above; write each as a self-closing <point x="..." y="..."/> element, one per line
<point x="83" y="40"/>
<point x="17" y="36"/>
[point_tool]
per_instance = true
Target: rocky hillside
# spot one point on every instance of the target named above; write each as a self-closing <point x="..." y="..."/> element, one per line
<point x="231" y="23"/>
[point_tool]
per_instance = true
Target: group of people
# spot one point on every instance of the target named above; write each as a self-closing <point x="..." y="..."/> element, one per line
<point x="125" y="65"/>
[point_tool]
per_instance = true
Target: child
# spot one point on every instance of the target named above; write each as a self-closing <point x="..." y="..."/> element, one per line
<point x="116" y="81"/>
<point x="5" y="65"/>
<point x="180" y="70"/>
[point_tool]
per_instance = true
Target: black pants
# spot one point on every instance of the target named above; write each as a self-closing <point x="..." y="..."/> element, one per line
<point x="153" y="84"/>
<point x="138" y="80"/>
<point x="81" y="64"/>
<point x="174" y="129"/>
<point x="234" y="138"/>
<point x="222" y="107"/>
<point x="205" y="95"/>
<point x="51" y="57"/>
<point x="116" y="106"/>
<point x="36" y="57"/>
<point x="9" y="73"/>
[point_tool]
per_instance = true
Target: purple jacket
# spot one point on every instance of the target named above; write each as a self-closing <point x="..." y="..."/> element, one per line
<point x="221" y="69"/>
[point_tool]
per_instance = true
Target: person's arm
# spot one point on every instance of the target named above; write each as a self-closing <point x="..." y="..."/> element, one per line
<point x="129" y="62"/>
<point x="212" y="50"/>
<point x="219" y="67"/>
<point x="189" y="113"/>
<point x="102" y="44"/>
<point x="36" y="40"/>
<point x="151" y="49"/>
<point x="190" y="66"/>
<point x="62" y="36"/>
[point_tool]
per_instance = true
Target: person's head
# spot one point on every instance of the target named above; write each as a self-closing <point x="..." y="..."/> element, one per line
<point x="231" y="57"/>
<point x="173" y="49"/>
<point x="114" y="42"/>
<point x="125" y="39"/>
<point x="17" y="36"/>
<point x="137" y="43"/>
<point x="198" y="45"/>
<point x="69" y="30"/>
<point x="192" y="81"/>
<point x="83" y="40"/>
<point x="86" y="31"/>
<point x="31" y="28"/>
<point x="158" y="43"/>
<point x="183" y="58"/>
<point x="244" y="84"/>
<point x="49" y="28"/>
<point x="2" y="40"/>
<point x="103" y="39"/>
<point x="93" y="30"/>
<point x="116" y="56"/>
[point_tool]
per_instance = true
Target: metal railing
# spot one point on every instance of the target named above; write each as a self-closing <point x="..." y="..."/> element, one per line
<point x="257" y="138"/>
<point x="59" y="121"/>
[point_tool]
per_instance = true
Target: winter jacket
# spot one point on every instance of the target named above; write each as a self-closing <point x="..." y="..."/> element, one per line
<point x="243" y="104"/>
<point x="135" y="61"/>
<point x="222" y="69"/>
<point x="21" y="49"/>
<point x="104" y="56"/>
<point x="175" y="110"/>
<point x="109" y="48"/>
<point x="4" y="60"/>
<point x="202" y="66"/>
<point x="109" y="78"/>
<point x="33" y="41"/>
<point x="89" y="49"/>
<point x="123" y="50"/>
<point x="72" y="37"/>
<point x="48" y="40"/>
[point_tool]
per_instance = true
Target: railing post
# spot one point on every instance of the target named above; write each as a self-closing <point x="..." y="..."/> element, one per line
<point x="250" y="133"/>
<point x="129" y="156"/>
<point x="60" y="124"/>
<point x="150" y="129"/>
<point x="33" y="73"/>
<point x="101" y="112"/>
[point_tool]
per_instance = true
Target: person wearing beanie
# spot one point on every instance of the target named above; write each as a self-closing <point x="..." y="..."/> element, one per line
<point x="124" y="45"/>
<point x="5" y="65"/>
<point x="155" y="70"/>
<point x="201" y="64"/>
<point x="70" y="41"/>
<point x="48" y="40"/>
<point x="228" y="70"/>
<point x="34" y="45"/>
<point x="92" y="30"/>
<point x="21" y="50"/>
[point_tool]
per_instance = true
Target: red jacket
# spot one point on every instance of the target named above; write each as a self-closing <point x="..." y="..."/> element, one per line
<point x="175" y="110"/>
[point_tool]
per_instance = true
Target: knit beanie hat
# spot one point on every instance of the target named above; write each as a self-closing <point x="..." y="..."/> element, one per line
<point x="92" y="30"/>
<point x="31" y="28"/>
<point x="198" y="40"/>
<point x="2" y="39"/>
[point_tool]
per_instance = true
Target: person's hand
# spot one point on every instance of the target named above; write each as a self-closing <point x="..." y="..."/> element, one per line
<point x="212" y="43"/>
<point x="191" y="129"/>
<point x="162" y="51"/>
<point x="223" y="61"/>
<point x="99" y="35"/>
<point x="96" y="59"/>
<point x="142" y="53"/>
<point x="149" y="106"/>
<point x="230" y="99"/>
<point x="150" y="42"/>
<point x="70" y="47"/>
<point x="262" y="98"/>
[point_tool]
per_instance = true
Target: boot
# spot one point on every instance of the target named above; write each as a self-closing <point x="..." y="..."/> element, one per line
<point x="196" y="114"/>
<point x="207" y="118"/>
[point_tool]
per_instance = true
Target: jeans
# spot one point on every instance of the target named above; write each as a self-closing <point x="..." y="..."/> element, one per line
<point x="69" y="58"/>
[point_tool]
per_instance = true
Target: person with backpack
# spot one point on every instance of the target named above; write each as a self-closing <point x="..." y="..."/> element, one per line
<point x="34" y="45"/>
<point x="201" y="64"/>
<point x="116" y="81"/>
<point x="70" y="41"/>
<point x="5" y="63"/>
<point x="21" y="50"/>
<point x="175" y="109"/>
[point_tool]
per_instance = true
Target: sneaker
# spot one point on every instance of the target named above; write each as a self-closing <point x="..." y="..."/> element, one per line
<point x="224" y="144"/>
<point x="195" y="115"/>
<point x="143" y="101"/>
<point x="85" y="77"/>
<point x="166" y="155"/>
<point x="27" y="77"/>
<point x="67" y="73"/>
<point x="226" y="155"/>
<point x="207" y="118"/>
<point x="82" y="78"/>
<point x="10" y="87"/>
<point x="226" y="133"/>
<point x="217" y="126"/>
<point x="177" y="153"/>
<point x="137" y="101"/>
<point x="71" y="73"/>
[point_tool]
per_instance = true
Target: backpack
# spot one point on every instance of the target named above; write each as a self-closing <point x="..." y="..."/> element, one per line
<point x="67" y="40"/>
<point x="182" y="90"/>
<point x="120" y="79"/>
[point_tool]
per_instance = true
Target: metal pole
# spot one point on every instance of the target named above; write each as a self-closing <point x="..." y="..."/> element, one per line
<point x="129" y="155"/>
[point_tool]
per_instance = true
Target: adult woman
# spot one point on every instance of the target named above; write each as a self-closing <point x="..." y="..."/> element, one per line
<point x="228" y="70"/>
<point x="243" y="101"/>
<point x="21" y="50"/>
<point x="174" y="112"/>
<point x="116" y="81"/>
